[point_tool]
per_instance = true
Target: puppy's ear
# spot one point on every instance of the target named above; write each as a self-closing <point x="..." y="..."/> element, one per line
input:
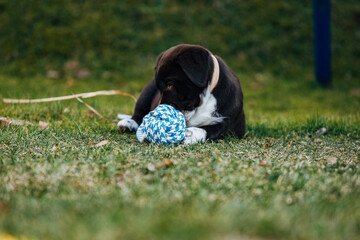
<point x="195" y="64"/>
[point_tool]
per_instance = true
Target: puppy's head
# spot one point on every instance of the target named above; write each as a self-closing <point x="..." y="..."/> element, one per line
<point x="182" y="74"/>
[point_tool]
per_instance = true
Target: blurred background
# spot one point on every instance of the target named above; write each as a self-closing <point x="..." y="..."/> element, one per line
<point x="111" y="38"/>
<point x="117" y="42"/>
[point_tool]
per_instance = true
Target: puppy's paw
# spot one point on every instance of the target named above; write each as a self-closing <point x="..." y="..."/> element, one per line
<point x="194" y="135"/>
<point x="127" y="125"/>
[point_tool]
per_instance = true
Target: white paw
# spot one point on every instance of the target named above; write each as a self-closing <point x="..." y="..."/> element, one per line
<point x="127" y="124"/>
<point x="194" y="135"/>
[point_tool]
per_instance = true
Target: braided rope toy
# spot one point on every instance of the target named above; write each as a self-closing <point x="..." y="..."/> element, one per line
<point x="164" y="125"/>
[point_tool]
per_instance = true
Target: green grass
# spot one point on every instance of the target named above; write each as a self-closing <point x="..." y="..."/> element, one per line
<point x="281" y="182"/>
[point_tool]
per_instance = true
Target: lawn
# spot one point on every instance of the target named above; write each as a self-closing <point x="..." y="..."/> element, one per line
<point x="282" y="181"/>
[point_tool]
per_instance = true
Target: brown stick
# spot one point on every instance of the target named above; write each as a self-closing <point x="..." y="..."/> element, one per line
<point x="80" y="95"/>
<point x="94" y="110"/>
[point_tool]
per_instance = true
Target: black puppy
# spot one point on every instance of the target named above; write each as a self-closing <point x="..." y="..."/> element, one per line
<point x="200" y="85"/>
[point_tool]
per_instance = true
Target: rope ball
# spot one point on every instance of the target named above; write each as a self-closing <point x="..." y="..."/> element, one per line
<point x="164" y="125"/>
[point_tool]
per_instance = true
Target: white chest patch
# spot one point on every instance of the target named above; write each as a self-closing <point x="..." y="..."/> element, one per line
<point x="205" y="114"/>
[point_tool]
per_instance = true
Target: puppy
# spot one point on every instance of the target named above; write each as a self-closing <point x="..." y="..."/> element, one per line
<point x="200" y="85"/>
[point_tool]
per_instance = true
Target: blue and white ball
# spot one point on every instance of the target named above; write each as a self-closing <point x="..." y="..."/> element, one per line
<point x="164" y="125"/>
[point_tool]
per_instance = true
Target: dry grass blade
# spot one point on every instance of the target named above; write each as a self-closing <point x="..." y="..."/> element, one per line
<point x="263" y="163"/>
<point x="164" y="164"/>
<point x="82" y="95"/>
<point x="43" y="125"/>
<point x="102" y="143"/>
<point x="8" y="122"/>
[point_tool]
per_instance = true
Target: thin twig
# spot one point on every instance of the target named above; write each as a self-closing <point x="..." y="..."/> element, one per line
<point x="80" y="95"/>
<point x="94" y="110"/>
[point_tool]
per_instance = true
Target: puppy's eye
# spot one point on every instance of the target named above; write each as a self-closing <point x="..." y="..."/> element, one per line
<point x="169" y="84"/>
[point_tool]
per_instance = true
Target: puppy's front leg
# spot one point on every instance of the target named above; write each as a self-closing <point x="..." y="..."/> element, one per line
<point x="143" y="106"/>
<point x="200" y="134"/>
<point x="216" y="131"/>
